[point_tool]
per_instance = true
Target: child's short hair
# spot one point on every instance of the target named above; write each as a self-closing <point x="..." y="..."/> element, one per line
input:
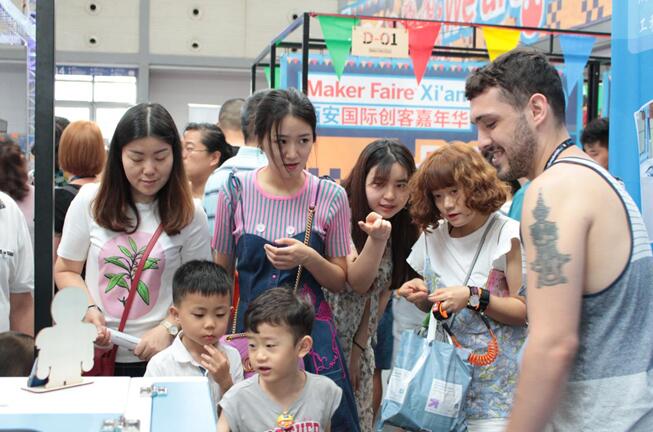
<point x="200" y="277"/>
<point x="16" y="354"/>
<point x="596" y="131"/>
<point x="280" y="306"/>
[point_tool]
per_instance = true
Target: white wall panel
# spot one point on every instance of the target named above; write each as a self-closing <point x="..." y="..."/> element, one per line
<point x="266" y="19"/>
<point x="13" y="104"/>
<point x="112" y="24"/>
<point x="175" y="89"/>
<point x="216" y="27"/>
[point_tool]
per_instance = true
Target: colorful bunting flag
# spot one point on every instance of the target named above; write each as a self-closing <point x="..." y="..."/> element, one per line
<point x="421" y="38"/>
<point x="337" y="35"/>
<point x="499" y="40"/>
<point x="277" y="76"/>
<point x="576" y="51"/>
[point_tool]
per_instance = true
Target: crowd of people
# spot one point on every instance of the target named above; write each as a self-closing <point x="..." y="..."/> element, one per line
<point x="196" y="243"/>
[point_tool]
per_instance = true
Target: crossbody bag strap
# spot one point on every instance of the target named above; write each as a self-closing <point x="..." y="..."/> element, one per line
<point x="480" y="247"/>
<point x="137" y="277"/>
<point x="309" y="228"/>
<point x="490" y="355"/>
<point x="473" y="264"/>
<point x="235" y="192"/>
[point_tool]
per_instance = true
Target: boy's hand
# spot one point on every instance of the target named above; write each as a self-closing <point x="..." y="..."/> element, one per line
<point x="216" y="362"/>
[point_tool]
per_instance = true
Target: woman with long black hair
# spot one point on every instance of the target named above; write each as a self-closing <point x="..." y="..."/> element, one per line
<point x="144" y="190"/>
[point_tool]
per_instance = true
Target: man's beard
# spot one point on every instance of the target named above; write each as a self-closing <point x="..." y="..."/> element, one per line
<point x="522" y="154"/>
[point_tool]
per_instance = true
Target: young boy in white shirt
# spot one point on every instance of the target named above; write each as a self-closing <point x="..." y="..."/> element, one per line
<point x="201" y="307"/>
<point x="280" y="396"/>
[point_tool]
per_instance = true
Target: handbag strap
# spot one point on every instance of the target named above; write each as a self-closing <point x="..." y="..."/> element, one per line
<point x="493" y="348"/>
<point x="309" y="227"/>
<point x="480" y="247"/>
<point x="478" y="252"/>
<point x="137" y="277"/>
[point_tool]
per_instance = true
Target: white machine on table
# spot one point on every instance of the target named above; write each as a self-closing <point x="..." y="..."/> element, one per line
<point x="110" y="404"/>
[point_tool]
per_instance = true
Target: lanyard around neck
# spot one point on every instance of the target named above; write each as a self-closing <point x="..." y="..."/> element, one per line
<point x="556" y="153"/>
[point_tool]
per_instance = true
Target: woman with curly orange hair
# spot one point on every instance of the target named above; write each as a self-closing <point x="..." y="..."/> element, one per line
<point x="470" y="258"/>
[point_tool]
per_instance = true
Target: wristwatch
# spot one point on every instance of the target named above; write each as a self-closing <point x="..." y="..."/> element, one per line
<point x="484" y="300"/>
<point x="173" y="329"/>
<point x="474" y="297"/>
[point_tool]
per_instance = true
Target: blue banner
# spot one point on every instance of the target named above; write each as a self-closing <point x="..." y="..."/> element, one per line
<point x="631" y="104"/>
<point x="379" y="98"/>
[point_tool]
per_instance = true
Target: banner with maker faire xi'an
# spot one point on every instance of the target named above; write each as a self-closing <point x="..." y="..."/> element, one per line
<point x="380" y="98"/>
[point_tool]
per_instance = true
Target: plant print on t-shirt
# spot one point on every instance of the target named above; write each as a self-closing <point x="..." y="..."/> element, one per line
<point x="117" y="263"/>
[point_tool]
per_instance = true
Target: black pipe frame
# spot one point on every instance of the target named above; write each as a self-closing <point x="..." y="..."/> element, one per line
<point x="309" y="43"/>
<point x="44" y="169"/>
<point x="593" y="81"/>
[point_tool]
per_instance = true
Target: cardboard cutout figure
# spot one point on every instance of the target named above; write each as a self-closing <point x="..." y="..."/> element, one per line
<point x="66" y="349"/>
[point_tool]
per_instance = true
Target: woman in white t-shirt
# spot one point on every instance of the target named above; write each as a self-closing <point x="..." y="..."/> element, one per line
<point x="14" y="179"/>
<point x="108" y="226"/>
<point x="455" y="198"/>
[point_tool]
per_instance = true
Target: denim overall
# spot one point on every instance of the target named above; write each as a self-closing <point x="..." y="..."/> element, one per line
<point x="256" y="275"/>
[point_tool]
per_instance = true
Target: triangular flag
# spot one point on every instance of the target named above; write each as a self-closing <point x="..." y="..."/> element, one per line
<point x="421" y="38"/>
<point x="499" y="40"/>
<point x="576" y="50"/>
<point x="277" y="76"/>
<point x="337" y="35"/>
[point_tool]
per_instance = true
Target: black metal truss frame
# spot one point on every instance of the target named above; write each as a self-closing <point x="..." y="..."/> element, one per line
<point x="307" y="44"/>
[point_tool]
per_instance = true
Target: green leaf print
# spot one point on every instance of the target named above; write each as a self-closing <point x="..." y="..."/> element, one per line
<point x="151" y="263"/>
<point x="126" y="251"/>
<point x="116" y="280"/>
<point x="117" y="262"/>
<point x="133" y="244"/>
<point x="132" y="255"/>
<point x="143" y="292"/>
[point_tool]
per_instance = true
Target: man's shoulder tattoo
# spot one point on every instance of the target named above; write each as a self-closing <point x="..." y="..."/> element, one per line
<point x="548" y="262"/>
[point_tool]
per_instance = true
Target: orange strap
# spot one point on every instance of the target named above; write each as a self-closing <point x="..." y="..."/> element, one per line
<point x="474" y="358"/>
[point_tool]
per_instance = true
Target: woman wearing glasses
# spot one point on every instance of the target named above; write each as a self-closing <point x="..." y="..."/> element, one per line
<point x="204" y="150"/>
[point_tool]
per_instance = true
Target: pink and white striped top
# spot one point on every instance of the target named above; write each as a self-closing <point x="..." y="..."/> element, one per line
<point x="273" y="217"/>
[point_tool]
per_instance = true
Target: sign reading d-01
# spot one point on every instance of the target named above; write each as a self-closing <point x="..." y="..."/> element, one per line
<point x="379" y="42"/>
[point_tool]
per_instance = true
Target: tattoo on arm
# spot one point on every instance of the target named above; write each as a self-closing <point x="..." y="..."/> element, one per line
<point x="548" y="262"/>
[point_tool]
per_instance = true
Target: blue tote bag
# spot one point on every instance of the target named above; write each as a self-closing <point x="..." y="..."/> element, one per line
<point x="428" y="386"/>
<point x="429" y="380"/>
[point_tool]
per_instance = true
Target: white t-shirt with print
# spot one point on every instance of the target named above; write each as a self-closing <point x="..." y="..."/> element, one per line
<point x="176" y="360"/>
<point x="16" y="257"/>
<point x="111" y="256"/>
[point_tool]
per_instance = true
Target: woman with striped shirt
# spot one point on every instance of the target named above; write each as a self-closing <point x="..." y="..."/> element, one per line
<point x="262" y="218"/>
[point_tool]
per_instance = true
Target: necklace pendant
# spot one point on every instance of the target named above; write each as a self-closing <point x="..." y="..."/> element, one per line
<point x="285" y="420"/>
